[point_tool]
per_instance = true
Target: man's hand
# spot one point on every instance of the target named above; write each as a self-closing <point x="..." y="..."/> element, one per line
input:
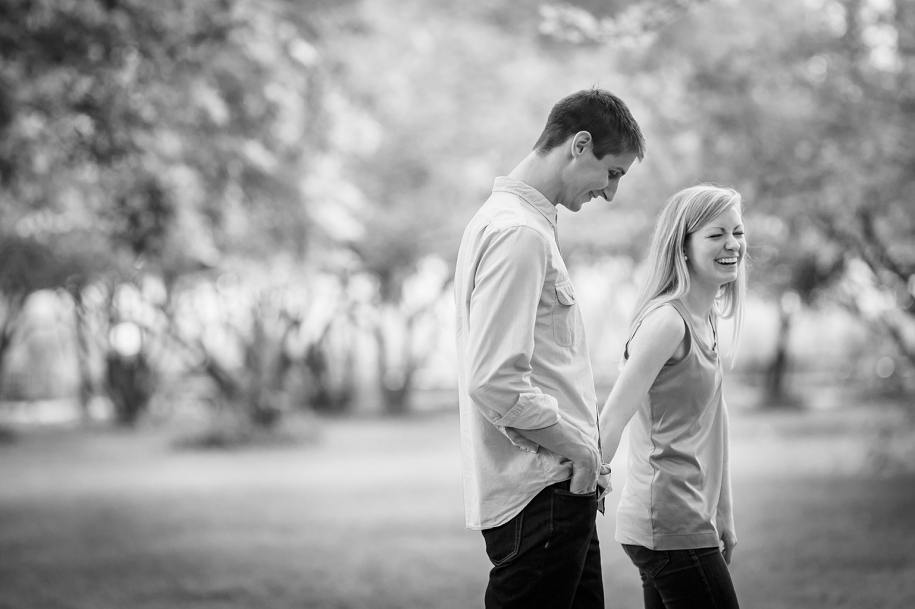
<point x="565" y="439"/>
<point x="728" y="543"/>
<point x="585" y="469"/>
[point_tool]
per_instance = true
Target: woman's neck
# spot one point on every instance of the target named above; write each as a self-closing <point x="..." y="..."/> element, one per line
<point x="700" y="300"/>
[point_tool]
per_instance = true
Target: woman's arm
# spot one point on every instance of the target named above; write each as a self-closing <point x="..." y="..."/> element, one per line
<point x="659" y="338"/>
<point x="725" y="516"/>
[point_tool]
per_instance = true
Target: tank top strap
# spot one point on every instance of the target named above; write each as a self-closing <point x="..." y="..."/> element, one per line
<point x="687" y="318"/>
<point x="713" y="321"/>
<point x="695" y="336"/>
<point x="650" y="309"/>
<point x="691" y="335"/>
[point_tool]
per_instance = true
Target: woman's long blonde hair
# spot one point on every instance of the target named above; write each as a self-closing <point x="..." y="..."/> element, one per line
<point x="668" y="276"/>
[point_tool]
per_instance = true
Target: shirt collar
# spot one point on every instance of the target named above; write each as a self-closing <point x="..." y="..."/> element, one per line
<point x="529" y="194"/>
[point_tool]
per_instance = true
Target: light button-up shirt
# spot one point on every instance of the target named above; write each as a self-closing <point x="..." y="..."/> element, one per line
<point x="522" y="357"/>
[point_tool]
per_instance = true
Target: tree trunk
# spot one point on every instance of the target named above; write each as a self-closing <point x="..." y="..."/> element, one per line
<point x="130" y="386"/>
<point x="330" y="394"/>
<point x="395" y="385"/>
<point x="14" y="307"/>
<point x="775" y="393"/>
<point x="86" y="383"/>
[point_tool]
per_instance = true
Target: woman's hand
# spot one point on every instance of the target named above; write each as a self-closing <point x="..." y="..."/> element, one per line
<point x="603" y="480"/>
<point x="728" y="543"/>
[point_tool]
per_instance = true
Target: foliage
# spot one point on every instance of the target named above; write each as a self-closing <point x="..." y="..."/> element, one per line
<point x="813" y="118"/>
<point x="431" y="101"/>
<point x="140" y="121"/>
<point x="806" y="109"/>
<point x="153" y="139"/>
<point x="30" y="265"/>
<point x="178" y="144"/>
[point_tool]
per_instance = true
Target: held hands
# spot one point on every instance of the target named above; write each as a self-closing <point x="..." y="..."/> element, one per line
<point x="728" y="542"/>
<point x="567" y="440"/>
<point x="604" y="478"/>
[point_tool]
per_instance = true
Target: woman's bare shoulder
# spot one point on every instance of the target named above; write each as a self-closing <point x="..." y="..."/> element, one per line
<point x="663" y="328"/>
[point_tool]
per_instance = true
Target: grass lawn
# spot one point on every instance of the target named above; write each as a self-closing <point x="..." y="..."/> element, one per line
<point x="370" y="516"/>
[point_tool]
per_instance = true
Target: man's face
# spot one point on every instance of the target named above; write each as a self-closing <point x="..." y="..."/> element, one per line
<point x="588" y="177"/>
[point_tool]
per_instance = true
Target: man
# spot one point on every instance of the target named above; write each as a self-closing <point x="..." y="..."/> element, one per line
<point x="529" y="429"/>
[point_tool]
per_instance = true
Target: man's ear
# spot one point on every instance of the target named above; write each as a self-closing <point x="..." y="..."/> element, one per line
<point x="581" y="141"/>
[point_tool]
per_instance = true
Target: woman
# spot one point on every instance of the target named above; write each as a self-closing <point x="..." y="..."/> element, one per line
<point x="675" y="518"/>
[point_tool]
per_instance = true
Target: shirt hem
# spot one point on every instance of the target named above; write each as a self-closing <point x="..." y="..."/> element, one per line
<point x="690" y="541"/>
<point x="471" y="526"/>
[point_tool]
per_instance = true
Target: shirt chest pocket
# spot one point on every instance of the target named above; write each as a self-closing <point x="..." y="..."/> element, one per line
<point x="567" y="326"/>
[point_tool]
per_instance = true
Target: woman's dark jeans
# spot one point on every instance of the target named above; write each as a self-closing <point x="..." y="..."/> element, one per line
<point x="547" y="556"/>
<point x="684" y="579"/>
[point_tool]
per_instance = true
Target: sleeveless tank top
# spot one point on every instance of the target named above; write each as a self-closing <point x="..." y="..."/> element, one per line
<point x="678" y="445"/>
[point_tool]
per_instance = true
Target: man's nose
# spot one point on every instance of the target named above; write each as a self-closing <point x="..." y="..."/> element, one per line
<point x="609" y="192"/>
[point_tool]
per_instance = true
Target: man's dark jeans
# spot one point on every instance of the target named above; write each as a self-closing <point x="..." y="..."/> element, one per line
<point x="548" y="556"/>
<point x="684" y="579"/>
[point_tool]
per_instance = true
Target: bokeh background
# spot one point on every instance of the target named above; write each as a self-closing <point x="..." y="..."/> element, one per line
<point x="227" y="237"/>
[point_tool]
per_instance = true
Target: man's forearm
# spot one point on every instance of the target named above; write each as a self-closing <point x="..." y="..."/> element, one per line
<point x="566" y="440"/>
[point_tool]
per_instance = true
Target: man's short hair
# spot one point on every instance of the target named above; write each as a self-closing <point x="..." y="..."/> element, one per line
<point x="600" y="113"/>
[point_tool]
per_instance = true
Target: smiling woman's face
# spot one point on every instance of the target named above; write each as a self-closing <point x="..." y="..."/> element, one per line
<point x="716" y="250"/>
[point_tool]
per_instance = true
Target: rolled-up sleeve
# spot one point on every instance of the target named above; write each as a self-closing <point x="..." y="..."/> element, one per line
<point x="508" y="286"/>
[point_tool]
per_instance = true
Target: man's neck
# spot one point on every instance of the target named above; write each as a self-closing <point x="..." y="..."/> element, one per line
<point x="539" y="172"/>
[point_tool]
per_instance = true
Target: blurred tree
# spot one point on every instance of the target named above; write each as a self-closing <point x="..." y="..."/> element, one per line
<point x="29" y="265"/>
<point x="810" y="113"/>
<point x="167" y="136"/>
<point x="413" y="150"/>
<point x="807" y="109"/>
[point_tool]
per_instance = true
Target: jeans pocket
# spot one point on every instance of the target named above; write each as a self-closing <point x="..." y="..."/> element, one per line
<point x="568" y="493"/>
<point x="504" y="541"/>
<point x="651" y="562"/>
<point x="572" y="514"/>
